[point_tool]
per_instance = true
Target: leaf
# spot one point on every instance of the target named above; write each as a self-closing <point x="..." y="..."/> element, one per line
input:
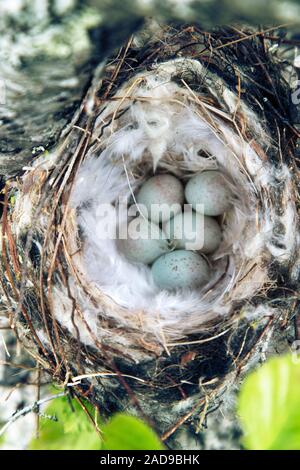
<point x="2" y="438"/>
<point x="73" y="430"/>
<point x="124" y="432"/>
<point x="269" y="406"/>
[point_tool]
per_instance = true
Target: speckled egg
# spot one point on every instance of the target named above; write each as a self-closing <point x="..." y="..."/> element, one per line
<point x="160" y="197"/>
<point x="180" y="269"/>
<point x="210" y="190"/>
<point x="191" y="230"/>
<point x="145" y="241"/>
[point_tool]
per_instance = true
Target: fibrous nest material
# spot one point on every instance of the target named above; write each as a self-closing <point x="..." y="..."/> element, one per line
<point x="173" y="100"/>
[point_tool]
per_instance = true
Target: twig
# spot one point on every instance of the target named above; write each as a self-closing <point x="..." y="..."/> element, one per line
<point x="77" y="380"/>
<point x="251" y="36"/>
<point x="16" y="366"/>
<point x="28" y="409"/>
<point x="4" y="345"/>
<point x="182" y="420"/>
<point x="200" y="341"/>
<point x="38" y="397"/>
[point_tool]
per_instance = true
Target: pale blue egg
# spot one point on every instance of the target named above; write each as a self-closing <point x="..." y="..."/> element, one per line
<point x="145" y="241"/>
<point x="160" y="197"/>
<point x="180" y="269"/>
<point x="208" y="193"/>
<point x="191" y="230"/>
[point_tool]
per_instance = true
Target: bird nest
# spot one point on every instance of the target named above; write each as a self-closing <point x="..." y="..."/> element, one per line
<point x="181" y="102"/>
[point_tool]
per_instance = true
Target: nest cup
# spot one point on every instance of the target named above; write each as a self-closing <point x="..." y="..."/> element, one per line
<point x="94" y="320"/>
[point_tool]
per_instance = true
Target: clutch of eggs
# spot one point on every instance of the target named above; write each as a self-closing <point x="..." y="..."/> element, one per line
<point x="172" y="236"/>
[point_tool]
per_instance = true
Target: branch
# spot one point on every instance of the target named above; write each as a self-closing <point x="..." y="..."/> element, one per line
<point x="28" y="409"/>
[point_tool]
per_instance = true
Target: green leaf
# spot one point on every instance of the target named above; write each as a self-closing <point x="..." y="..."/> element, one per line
<point x="124" y="432"/>
<point x="269" y="406"/>
<point x="2" y="438"/>
<point x="72" y="430"/>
